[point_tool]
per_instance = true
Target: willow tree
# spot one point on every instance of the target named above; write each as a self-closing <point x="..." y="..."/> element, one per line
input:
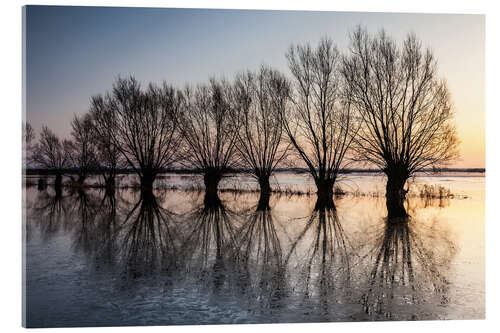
<point x="49" y="153"/>
<point x="28" y="135"/>
<point x="108" y="157"/>
<point x="81" y="148"/>
<point x="209" y="131"/>
<point x="260" y="100"/>
<point x="403" y="107"/>
<point x="319" y="123"/>
<point x="143" y="125"/>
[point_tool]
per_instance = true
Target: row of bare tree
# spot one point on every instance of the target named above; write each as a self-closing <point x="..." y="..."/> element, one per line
<point x="380" y="103"/>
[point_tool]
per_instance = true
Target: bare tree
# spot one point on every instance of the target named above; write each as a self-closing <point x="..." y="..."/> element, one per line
<point x="28" y="136"/>
<point x="49" y="154"/>
<point x="261" y="98"/>
<point x="81" y="149"/>
<point x="404" y="110"/>
<point x="209" y="131"/>
<point x="320" y="122"/>
<point x="143" y="125"/>
<point x="108" y="156"/>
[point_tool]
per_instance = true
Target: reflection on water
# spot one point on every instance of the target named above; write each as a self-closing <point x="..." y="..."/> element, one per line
<point x="209" y="247"/>
<point x="323" y="262"/>
<point x="262" y="259"/>
<point x="50" y="212"/>
<point x="148" y="241"/>
<point x="175" y="257"/>
<point x="410" y="263"/>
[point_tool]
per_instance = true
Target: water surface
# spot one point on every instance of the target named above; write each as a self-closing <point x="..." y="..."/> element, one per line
<point x="176" y="257"/>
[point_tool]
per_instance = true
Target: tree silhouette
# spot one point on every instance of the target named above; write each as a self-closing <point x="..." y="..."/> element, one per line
<point x="108" y="156"/>
<point x="261" y="98"/>
<point x="209" y="131"/>
<point x="28" y="133"/>
<point x="81" y="149"/>
<point x="320" y="122"/>
<point x="404" y="110"/>
<point x="49" y="153"/>
<point x="28" y="136"/>
<point x="142" y="124"/>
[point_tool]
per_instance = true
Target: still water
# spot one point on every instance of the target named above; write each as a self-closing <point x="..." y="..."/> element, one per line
<point x="179" y="258"/>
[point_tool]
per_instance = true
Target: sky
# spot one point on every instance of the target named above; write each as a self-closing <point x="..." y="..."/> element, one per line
<point x="72" y="53"/>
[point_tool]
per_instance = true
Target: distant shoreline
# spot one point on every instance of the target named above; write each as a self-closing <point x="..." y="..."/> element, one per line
<point x="47" y="172"/>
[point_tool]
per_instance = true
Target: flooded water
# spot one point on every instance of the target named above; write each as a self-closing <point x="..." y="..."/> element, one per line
<point x="179" y="258"/>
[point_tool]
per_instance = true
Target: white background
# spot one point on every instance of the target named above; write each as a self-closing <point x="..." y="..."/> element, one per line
<point x="10" y="157"/>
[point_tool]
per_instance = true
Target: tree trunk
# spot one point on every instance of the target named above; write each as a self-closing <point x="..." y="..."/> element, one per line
<point x="81" y="179"/>
<point x="211" y="180"/>
<point x="263" y="203"/>
<point x="147" y="181"/>
<point x="325" y="191"/>
<point x="212" y="202"/>
<point x="58" y="183"/>
<point x="396" y="195"/>
<point x="265" y="187"/>
<point x="110" y="186"/>
<point x="265" y="193"/>
<point x="324" y="202"/>
<point x="41" y="184"/>
<point x="148" y="198"/>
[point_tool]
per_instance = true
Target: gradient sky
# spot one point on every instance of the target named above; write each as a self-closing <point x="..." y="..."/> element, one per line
<point x="73" y="53"/>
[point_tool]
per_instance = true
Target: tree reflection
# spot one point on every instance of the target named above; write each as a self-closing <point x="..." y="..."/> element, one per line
<point x="51" y="213"/>
<point x="83" y="213"/>
<point x="209" y="247"/>
<point x="410" y="259"/>
<point x="324" y="263"/>
<point x="148" y="241"/>
<point x="398" y="208"/>
<point x="261" y="258"/>
<point x="246" y="260"/>
<point x="92" y="223"/>
<point x="107" y="228"/>
<point x="139" y="238"/>
<point x="419" y="203"/>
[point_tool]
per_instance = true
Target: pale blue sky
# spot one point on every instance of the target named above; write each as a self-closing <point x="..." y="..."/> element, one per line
<point x="75" y="52"/>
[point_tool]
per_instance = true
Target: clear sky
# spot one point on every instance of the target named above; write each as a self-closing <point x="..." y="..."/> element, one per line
<point x="73" y="53"/>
